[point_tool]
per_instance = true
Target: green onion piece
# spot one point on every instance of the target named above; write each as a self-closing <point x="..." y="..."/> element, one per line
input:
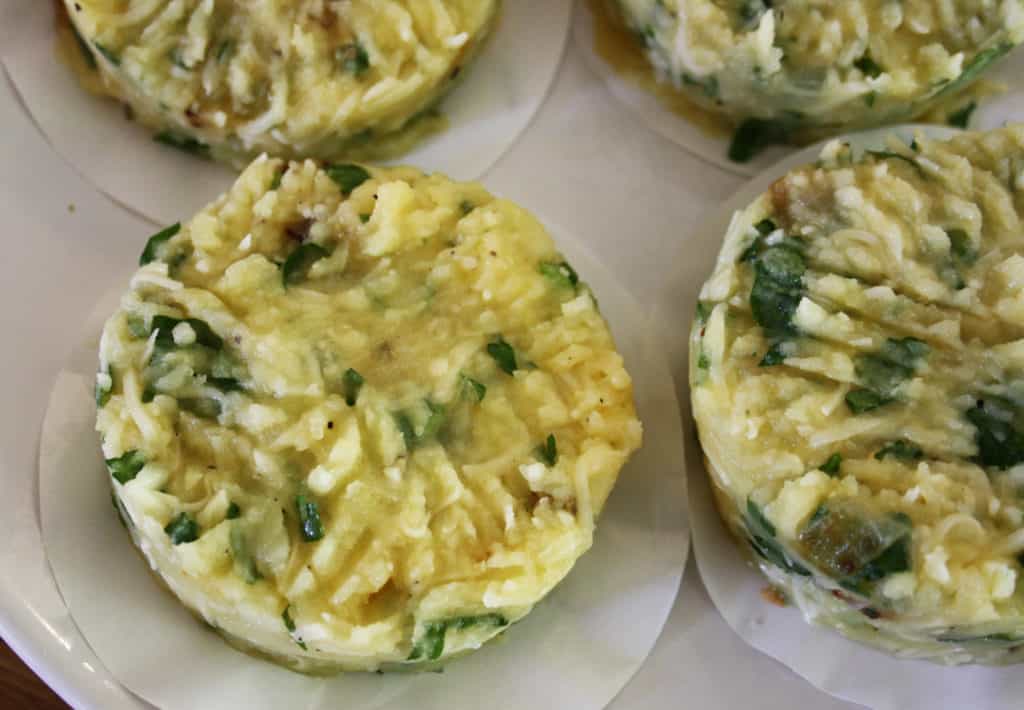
<point x="548" y="451"/>
<point x="83" y="47"/>
<point x="347" y="176"/>
<point x="961" y="117"/>
<point x="185" y="144"/>
<point x="478" y="389"/>
<point x="1000" y="443"/>
<point x="560" y="274"/>
<point x="976" y="66"/>
<point x="831" y="465"/>
<point x="202" y="407"/>
<point x="245" y="565"/>
<point x="126" y="466"/>
<point x="364" y="218"/>
<point x="286" y="616"/>
<point x="503" y="354"/>
<point x="182" y="528"/>
<point x="296" y="266"/>
<point x="405" y="427"/>
<point x="765" y="227"/>
<point x="353" y="58"/>
<point x="703" y="311"/>
<point x="900" y="449"/>
<point x="868" y="66"/>
<point x="276" y="181"/>
<point x="861" y="400"/>
<point x="352" y="382"/>
<point x="164" y="325"/>
<point x="960" y="246"/>
<point x="233" y="511"/>
<point x="153" y="244"/>
<point x="224" y="49"/>
<point x="108" y="54"/>
<point x="137" y="326"/>
<point x="888" y="154"/>
<point x="435" y="422"/>
<point x="103" y="389"/>
<point x="430" y="645"/>
<point x="309" y="518"/>
<point x="776" y="355"/>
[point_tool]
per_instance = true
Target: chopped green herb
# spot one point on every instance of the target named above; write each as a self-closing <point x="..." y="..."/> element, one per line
<point x="751" y="12"/>
<point x="962" y="116"/>
<point x="560" y="274"/>
<point x="137" y="326"/>
<point x="703" y="361"/>
<point x="754" y="135"/>
<point x="890" y="155"/>
<point x="183" y="528"/>
<point x="430" y="645"/>
<point x="831" y="465"/>
<point x="225" y="384"/>
<point x="224" y="49"/>
<point x="233" y="511"/>
<point x="900" y="449"/>
<point x="478" y="389"/>
<point x="245" y="564"/>
<point x="353" y="58"/>
<point x="352" y="382"/>
<point x="762" y="540"/>
<point x="83" y="47"/>
<point x="104" y="386"/>
<point x="406" y="429"/>
<point x="548" y="451"/>
<point x="860" y="400"/>
<point x="364" y="218"/>
<point x="108" y="54"/>
<point x="703" y="312"/>
<point x="126" y="466"/>
<point x="347" y="176"/>
<point x="765" y="227"/>
<point x="435" y="422"/>
<point x="883" y="372"/>
<point x="1000" y="442"/>
<point x="151" y="251"/>
<point x="868" y="66"/>
<point x="960" y="246"/>
<point x="1004" y="639"/>
<point x="164" y="327"/>
<point x="289" y="625"/>
<point x="777" y="289"/>
<point x="776" y="355"/>
<point x="296" y="266"/>
<point x="202" y="407"/>
<point x="275" y="182"/>
<point x="186" y="144"/>
<point x="310" y="525"/>
<point x="504" y="355"/>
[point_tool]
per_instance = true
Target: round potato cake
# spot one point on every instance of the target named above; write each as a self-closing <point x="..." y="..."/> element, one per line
<point x="327" y="79"/>
<point x="857" y="377"/>
<point x="360" y="418"/>
<point x="798" y="68"/>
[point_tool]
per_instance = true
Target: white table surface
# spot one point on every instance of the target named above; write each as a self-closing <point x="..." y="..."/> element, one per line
<point x="584" y="163"/>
